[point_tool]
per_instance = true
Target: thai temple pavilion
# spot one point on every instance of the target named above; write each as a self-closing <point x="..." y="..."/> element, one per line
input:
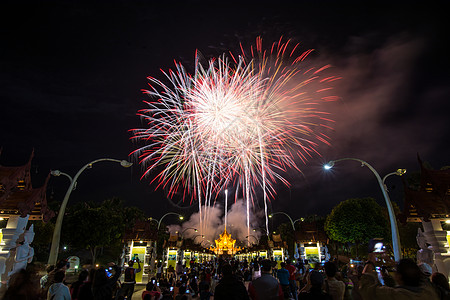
<point x="429" y="203"/>
<point x="18" y="197"/>
<point x="225" y="245"/>
<point x="311" y="241"/>
<point x="140" y="243"/>
<point x="429" y="200"/>
<point x="19" y="202"/>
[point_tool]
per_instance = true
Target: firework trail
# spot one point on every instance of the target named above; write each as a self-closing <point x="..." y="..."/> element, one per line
<point x="236" y="122"/>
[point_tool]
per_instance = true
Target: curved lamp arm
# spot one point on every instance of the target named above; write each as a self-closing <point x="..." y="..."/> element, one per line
<point x="392" y="218"/>
<point x="73" y="181"/>
<point x="290" y="219"/>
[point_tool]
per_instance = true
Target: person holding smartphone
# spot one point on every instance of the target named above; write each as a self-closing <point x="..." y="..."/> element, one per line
<point x="333" y="287"/>
<point x="407" y="276"/>
<point x="183" y="293"/>
<point x="127" y="289"/>
<point x="152" y="290"/>
<point x="103" y="286"/>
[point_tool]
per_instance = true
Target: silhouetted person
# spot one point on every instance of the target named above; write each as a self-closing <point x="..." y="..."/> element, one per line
<point x="102" y="285"/>
<point x="313" y="288"/>
<point x="440" y="282"/>
<point x="22" y="286"/>
<point x="229" y="287"/>
<point x="265" y="287"/>
<point x="408" y="277"/>
<point x="58" y="290"/>
<point x="75" y="287"/>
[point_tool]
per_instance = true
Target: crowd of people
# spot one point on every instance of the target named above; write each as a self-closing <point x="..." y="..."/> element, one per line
<point x="94" y="284"/>
<point x="229" y="279"/>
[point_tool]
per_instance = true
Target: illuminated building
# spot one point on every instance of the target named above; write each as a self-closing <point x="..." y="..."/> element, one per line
<point x="140" y="243"/>
<point x="310" y="242"/>
<point x="19" y="202"/>
<point x="18" y="198"/>
<point x="428" y="202"/>
<point x="225" y="245"/>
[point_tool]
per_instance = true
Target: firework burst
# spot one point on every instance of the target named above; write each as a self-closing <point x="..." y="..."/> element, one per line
<point x="238" y="121"/>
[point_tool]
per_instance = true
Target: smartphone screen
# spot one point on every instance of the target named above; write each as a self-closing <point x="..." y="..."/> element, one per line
<point x="109" y="274"/>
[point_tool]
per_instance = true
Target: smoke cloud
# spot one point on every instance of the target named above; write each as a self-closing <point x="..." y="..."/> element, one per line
<point x="382" y="113"/>
<point x="215" y="224"/>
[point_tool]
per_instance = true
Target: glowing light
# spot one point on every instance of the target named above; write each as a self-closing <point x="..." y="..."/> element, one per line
<point x="329" y="165"/>
<point x="447" y="221"/>
<point x="400" y="172"/>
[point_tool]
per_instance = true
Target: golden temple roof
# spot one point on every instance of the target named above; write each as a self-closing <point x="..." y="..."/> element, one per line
<point x="225" y="244"/>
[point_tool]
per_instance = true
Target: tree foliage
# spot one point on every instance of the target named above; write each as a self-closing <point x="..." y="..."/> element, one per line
<point x="42" y="239"/>
<point x="287" y="234"/>
<point x="91" y="225"/>
<point x="356" y="221"/>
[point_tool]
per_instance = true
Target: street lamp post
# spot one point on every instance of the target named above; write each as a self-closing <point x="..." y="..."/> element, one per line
<point x="263" y="229"/>
<point x="189" y="228"/>
<point x="193" y="240"/>
<point x="256" y="239"/>
<point x="169" y="213"/>
<point x="393" y="221"/>
<point x="73" y="182"/>
<point x="290" y="219"/>
<point x="207" y="243"/>
<point x="399" y="172"/>
<point x="152" y="261"/>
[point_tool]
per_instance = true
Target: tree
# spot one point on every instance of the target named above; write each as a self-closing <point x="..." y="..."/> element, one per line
<point x="356" y="221"/>
<point x="287" y="234"/>
<point x="407" y="233"/>
<point x="93" y="226"/>
<point x="408" y="239"/>
<point x="42" y="239"/>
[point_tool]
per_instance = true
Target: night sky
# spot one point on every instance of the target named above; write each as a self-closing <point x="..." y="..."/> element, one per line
<point x="71" y="74"/>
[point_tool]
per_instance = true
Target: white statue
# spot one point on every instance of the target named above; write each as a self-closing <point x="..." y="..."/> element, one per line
<point x="424" y="255"/>
<point x="122" y="257"/>
<point x="24" y="252"/>
<point x="327" y="254"/>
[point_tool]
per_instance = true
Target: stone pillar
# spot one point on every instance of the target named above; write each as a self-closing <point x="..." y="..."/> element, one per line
<point x="324" y="255"/>
<point x="436" y="237"/>
<point x="146" y="264"/>
<point x="302" y="251"/>
<point x="127" y="252"/>
<point x="296" y="255"/>
<point x="14" y="229"/>
<point x="153" y="257"/>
